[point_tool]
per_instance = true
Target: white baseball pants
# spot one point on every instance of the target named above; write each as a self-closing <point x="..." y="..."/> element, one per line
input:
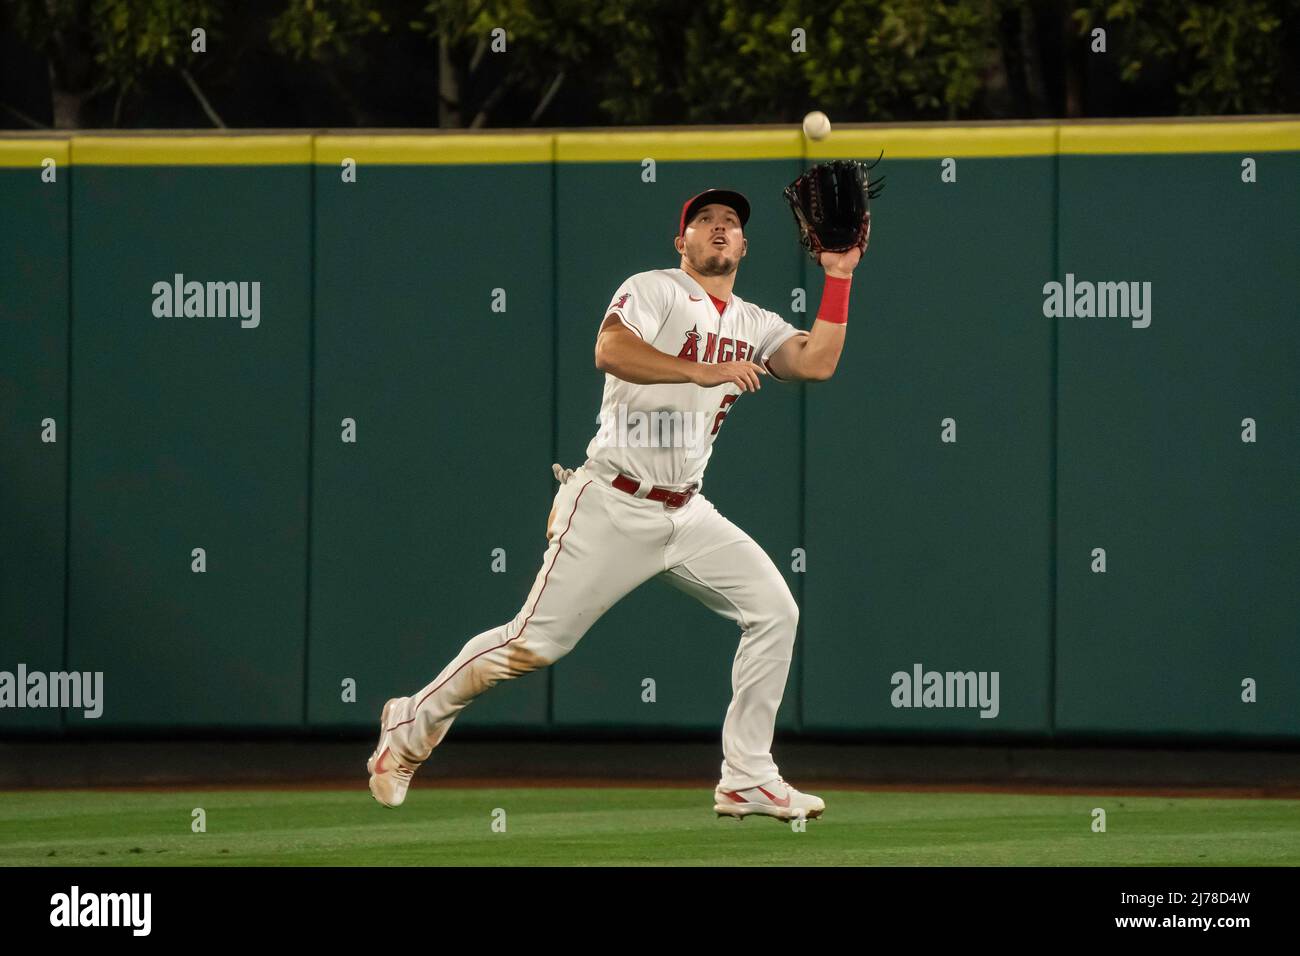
<point x="603" y="543"/>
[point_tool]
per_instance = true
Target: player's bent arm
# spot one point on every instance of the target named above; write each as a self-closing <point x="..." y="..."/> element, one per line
<point x="812" y="357"/>
<point x="621" y="352"/>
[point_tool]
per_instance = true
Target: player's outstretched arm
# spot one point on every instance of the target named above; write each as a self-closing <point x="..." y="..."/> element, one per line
<point x="814" y="357"/>
<point x="621" y="353"/>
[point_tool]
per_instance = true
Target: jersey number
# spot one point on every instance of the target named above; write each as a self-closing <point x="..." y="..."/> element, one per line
<point x="722" y="412"/>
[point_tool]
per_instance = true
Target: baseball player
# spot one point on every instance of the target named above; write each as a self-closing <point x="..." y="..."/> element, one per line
<point x="678" y="348"/>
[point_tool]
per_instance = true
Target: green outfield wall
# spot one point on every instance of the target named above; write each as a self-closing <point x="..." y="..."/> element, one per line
<point x="277" y="415"/>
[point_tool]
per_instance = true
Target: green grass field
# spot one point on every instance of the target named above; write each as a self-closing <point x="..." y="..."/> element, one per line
<point x="626" y="826"/>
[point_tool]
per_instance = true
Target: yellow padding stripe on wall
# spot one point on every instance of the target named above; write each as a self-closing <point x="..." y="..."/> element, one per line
<point x="251" y="150"/>
<point x="699" y="145"/>
<point x="903" y="142"/>
<point x="32" y="152"/>
<point x="1229" y="137"/>
<point x="436" y="149"/>
<point x="670" y="145"/>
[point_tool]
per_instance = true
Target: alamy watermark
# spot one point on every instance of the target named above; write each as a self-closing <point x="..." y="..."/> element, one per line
<point x="1102" y="300"/>
<point x="661" y="428"/>
<point x="75" y="908"/>
<point x="922" y="688"/>
<point x="181" y="299"/>
<point x="59" y="689"/>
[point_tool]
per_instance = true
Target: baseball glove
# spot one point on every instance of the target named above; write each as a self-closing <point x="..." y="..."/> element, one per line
<point x="832" y="205"/>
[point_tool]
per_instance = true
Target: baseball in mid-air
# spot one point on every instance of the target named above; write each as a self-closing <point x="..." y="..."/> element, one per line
<point x="816" y="125"/>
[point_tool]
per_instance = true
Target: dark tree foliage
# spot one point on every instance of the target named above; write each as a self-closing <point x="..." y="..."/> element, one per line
<point x="520" y="63"/>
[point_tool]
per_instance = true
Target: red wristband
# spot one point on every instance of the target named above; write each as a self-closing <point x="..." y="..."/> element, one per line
<point x="835" y="300"/>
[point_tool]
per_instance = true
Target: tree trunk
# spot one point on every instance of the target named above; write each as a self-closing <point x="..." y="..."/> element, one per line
<point x="1031" y="52"/>
<point x="204" y="103"/>
<point x="546" y="98"/>
<point x="490" y="103"/>
<point x="1072" y="46"/>
<point x="1012" y="61"/>
<point x="448" y="87"/>
<point x="71" y="69"/>
<point x="68" y="108"/>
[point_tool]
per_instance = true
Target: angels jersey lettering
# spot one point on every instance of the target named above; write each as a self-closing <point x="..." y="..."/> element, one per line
<point x="664" y="433"/>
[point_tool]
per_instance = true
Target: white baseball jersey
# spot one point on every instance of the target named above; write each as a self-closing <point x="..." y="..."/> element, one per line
<point x="664" y="433"/>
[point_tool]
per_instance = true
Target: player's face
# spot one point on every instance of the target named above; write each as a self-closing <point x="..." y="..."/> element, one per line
<point x="714" y="243"/>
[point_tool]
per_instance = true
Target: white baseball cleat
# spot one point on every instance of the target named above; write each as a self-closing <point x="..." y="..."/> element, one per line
<point x="775" y="799"/>
<point x="389" y="777"/>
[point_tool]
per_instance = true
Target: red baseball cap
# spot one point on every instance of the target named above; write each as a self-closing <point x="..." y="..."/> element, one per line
<point x="726" y="197"/>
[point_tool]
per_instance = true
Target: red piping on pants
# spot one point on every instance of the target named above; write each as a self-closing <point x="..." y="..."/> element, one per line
<point x="526" y="620"/>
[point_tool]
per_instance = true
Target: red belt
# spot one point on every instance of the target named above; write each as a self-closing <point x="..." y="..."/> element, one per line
<point x="673" y="499"/>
